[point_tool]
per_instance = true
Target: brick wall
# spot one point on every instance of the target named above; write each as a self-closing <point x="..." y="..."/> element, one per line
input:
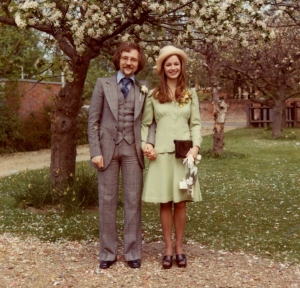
<point x="36" y="95"/>
<point x="236" y="112"/>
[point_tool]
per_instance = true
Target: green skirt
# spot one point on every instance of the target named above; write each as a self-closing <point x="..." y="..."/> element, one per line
<point x="162" y="181"/>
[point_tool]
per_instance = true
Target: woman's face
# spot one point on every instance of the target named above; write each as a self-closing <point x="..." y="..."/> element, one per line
<point x="172" y="67"/>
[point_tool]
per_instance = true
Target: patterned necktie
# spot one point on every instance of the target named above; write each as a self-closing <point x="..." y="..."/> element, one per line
<point x="124" y="88"/>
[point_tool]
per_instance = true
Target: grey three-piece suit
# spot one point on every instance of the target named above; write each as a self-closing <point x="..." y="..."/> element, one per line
<point x="115" y="133"/>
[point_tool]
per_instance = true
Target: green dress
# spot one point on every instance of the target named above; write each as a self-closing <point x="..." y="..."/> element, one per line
<point x="174" y="120"/>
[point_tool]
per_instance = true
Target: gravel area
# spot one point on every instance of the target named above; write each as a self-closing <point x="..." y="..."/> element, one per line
<point x="32" y="263"/>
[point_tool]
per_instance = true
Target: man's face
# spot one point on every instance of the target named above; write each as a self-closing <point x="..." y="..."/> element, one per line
<point x="129" y="62"/>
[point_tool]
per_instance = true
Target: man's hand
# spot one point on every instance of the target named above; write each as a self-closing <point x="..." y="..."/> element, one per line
<point x="98" y="161"/>
<point x="149" y="152"/>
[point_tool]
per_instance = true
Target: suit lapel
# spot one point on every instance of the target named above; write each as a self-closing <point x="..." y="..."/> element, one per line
<point x="138" y="99"/>
<point x="111" y="93"/>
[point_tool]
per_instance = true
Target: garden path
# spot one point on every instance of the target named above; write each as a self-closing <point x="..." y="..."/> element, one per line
<point x="22" y="161"/>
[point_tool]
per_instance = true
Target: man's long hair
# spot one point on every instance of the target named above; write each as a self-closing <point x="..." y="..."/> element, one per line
<point x="127" y="46"/>
<point x="162" y="91"/>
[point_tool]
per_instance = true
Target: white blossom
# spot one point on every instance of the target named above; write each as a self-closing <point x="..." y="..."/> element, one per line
<point x="19" y="21"/>
<point x="29" y="5"/>
<point x="272" y="34"/>
<point x="125" y="37"/>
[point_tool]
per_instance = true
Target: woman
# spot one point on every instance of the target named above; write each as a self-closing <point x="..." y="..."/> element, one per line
<point x="175" y="109"/>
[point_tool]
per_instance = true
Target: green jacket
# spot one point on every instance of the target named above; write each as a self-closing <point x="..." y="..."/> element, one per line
<point x="174" y="121"/>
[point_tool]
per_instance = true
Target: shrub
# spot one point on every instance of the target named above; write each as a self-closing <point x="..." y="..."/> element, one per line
<point x="33" y="188"/>
<point x="82" y="135"/>
<point x="9" y="120"/>
<point x="36" y="131"/>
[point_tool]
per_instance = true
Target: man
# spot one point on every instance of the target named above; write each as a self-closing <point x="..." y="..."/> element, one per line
<point x="114" y="130"/>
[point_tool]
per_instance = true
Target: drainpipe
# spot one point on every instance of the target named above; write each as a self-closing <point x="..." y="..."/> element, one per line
<point x="63" y="82"/>
<point x="22" y="72"/>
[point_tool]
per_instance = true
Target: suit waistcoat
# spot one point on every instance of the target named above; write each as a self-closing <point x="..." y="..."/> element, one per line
<point x="126" y="117"/>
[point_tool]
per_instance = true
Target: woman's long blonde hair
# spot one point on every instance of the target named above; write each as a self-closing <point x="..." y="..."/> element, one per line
<point x="162" y="91"/>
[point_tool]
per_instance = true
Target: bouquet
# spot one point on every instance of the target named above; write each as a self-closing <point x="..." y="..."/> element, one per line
<point x="191" y="174"/>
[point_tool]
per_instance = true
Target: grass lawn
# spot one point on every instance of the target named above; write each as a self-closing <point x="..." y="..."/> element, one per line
<point x="250" y="203"/>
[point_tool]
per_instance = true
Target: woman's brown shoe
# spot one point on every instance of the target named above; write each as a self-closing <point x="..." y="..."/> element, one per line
<point x="181" y="260"/>
<point x="167" y="262"/>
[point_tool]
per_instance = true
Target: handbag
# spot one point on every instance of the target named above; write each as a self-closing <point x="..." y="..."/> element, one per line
<point x="182" y="147"/>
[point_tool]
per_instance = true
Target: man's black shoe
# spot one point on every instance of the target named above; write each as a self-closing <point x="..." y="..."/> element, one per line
<point x="104" y="264"/>
<point x="134" y="263"/>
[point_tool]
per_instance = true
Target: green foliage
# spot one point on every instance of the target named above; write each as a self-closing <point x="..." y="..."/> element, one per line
<point x="287" y="134"/>
<point x="99" y="67"/>
<point x="82" y="126"/>
<point x="34" y="189"/>
<point x="148" y="74"/>
<point x="20" y="49"/>
<point x="210" y="153"/>
<point x="36" y="131"/>
<point x="82" y="191"/>
<point x="203" y="96"/>
<point x="9" y="121"/>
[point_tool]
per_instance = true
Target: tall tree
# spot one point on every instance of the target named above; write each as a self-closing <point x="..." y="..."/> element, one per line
<point x="207" y="37"/>
<point x="287" y="8"/>
<point x="83" y="29"/>
<point x="274" y="69"/>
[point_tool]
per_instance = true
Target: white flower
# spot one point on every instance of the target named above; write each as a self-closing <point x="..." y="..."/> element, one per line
<point x="144" y="89"/>
<point x="194" y="170"/>
<point x="189" y="181"/>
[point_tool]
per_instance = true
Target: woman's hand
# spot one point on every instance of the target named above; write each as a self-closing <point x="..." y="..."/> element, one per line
<point x="194" y="152"/>
<point x="149" y="152"/>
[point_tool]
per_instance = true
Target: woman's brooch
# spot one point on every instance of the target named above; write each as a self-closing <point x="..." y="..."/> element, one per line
<point x="185" y="99"/>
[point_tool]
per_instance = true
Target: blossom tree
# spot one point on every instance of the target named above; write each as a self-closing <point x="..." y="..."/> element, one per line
<point x="83" y="29"/>
<point x="211" y="39"/>
<point x="287" y="8"/>
<point x="274" y="69"/>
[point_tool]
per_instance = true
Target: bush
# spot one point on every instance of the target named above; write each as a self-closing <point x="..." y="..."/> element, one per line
<point x="82" y="126"/>
<point x="9" y="120"/>
<point x="81" y="192"/>
<point x="33" y="188"/>
<point x="36" y="131"/>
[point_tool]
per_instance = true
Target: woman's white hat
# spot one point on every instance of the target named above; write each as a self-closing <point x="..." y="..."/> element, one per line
<point x="166" y="52"/>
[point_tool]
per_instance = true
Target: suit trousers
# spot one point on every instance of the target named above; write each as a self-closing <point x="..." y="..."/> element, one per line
<point x="125" y="159"/>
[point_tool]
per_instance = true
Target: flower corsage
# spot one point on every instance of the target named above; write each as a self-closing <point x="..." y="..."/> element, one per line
<point x="143" y="90"/>
<point x="185" y="99"/>
<point x="189" y="181"/>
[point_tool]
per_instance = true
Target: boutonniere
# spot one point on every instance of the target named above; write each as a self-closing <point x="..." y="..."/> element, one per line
<point x="185" y="99"/>
<point x="143" y="90"/>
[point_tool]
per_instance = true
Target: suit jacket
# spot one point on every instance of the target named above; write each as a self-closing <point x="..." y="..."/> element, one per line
<point x="103" y="118"/>
<point x="173" y="122"/>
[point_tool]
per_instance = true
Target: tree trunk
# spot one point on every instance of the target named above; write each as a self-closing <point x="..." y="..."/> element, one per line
<point x="277" y="119"/>
<point x="220" y="109"/>
<point x="64" y="125"/>
<point x="283" y="117"/>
